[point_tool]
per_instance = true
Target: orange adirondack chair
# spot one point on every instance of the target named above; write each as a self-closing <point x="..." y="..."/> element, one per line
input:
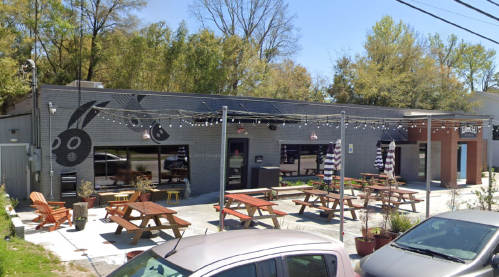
<point x="118" y="207"/>
<point x="39" y="196"/>
<point x="49" y="215"/>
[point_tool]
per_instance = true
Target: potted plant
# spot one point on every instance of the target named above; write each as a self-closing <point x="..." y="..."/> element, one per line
<point x="143" y="185"/>
<point x="142" y="168"/>
<point x="365" y="244"/>
<point x="80" y="223"/>
<point x="85" y="191"/>
<point x="283" y="183"/>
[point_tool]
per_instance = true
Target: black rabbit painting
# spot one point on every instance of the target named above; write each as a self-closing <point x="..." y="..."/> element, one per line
<point x="73" y="146"/>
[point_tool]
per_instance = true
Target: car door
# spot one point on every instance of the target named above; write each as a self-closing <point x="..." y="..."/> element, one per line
<point x="310" y="265"/>
<point x="271" y="267"/>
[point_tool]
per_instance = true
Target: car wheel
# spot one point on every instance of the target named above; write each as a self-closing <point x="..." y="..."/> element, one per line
<point x="291" y="160"/>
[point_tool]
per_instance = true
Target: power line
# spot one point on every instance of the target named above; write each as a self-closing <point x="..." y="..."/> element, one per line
<point x="478" y="10"/>
<point x="454" y="12"/>
<point x="493" y="2"/>
<point x="446" y="21"/>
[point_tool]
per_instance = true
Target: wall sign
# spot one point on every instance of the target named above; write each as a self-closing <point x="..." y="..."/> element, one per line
<point x="258" y="159"/>
<point x="350" y="148"/>
<point x="468" y="131"/>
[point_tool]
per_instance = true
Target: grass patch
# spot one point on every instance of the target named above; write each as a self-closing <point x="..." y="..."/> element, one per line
<point x="21" y="258"/>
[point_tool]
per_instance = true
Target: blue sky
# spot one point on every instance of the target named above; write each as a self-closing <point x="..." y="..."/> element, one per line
<point x="329" y="27"/>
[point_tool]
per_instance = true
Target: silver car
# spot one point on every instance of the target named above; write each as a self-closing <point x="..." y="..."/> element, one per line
<point x="244" y="253"/>
<point x="460" y="243"/>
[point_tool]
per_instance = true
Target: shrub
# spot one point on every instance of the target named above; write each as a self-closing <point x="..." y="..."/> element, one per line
<point x="141" y="167"/>
<point x="14" y="202"/>
<point x="400" y="222"/>
<point x="143" y="185"/>
<point x="85" y="189"/>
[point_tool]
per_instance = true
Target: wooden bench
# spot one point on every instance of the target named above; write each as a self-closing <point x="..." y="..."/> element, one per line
<point x="278" y="189"/>
<point x="180" y="222"/>
<point x="243" y="217"/>
<point x="277" y="212"/>
<point x="265" y="191"/>
<point x="156" y="190"/>
<point x="130" y="227"/>
<point x="104" y="194"/>
<point x="299" y="202"/>
<point x="363" y="196"/>
<point x="415" y="199"/>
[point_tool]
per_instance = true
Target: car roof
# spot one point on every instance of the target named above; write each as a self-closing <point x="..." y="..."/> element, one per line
<point x="196" y="252"/>
<point x="476" y="216"/>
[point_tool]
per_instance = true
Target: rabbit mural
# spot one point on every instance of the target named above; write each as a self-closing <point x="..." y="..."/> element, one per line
<point x="73" y="146"/>
<point x="137" y="121"/>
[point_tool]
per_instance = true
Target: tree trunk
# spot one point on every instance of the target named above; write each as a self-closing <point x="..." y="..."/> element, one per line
<point x="80" y="209"/>
<point x="93" y="57"/>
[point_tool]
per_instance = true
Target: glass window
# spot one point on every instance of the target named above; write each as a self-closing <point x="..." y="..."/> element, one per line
<point x="460" y="239"/>
<point x="303" y="160"/>
<point x="240" y="271"/>
<point x="149" y="264"/>
<point x="306" y="265"/>
<point x="267" y="268"/>
<point x="110" y="166"/>
<point x="289" y="159"/>
<point x="174" y="163"/>
<point x="144" y="163"/>
<point x="495" y="132"/>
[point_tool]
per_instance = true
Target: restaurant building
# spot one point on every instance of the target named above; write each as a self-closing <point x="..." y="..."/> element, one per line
<point x="108" y="135"/>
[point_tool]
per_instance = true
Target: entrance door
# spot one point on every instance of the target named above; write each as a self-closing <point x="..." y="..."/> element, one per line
<point x="13" y="166"/>
<point x="237" y="164"/>
<point x="422" y="162"/>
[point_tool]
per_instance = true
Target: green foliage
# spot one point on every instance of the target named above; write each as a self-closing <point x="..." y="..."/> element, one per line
<point x="85" y="189"/>
<point x="143" y="185"/>
<point x="14" y="202"/>
<point x="81" y="218"/>
<point x="399" y="71"/>
<point x="484" y="197"/>
<point x="400" y="222"/>
<point x="141" y="167"/>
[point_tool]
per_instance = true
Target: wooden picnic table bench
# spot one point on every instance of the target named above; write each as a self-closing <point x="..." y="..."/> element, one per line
<point x="402" y="196"/>
<point x="266" y="191"/>
<point x="301" y="188"/>
<point x="286" y="172"/>
<point x="113" y="193"/>
<point x="149" y="211"/>
<point x="252" y="205"/>
<point x="324" y="196"/>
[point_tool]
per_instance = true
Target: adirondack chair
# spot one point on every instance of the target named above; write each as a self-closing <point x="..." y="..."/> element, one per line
<point x="118" y="207"/>
<point x="50" y="215"/>
<point x="39" y="196"/>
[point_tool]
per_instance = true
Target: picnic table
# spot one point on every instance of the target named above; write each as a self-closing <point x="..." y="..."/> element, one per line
<point x="149" y="211"/>
<point x="252" y="205"/>
<point x="402" y="196"/>
<point x="324" y="198"/>
<point x="336" y="185"/>
<point x="366" y="176"/>
<point x="287" y="171"/>
<point x="313" y="171"/>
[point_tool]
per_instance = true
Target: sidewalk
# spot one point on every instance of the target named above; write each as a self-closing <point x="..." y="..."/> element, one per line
<point x="101" y="251"/>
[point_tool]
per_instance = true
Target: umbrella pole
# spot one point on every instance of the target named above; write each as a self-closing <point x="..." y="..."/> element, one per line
<point x="222" y="167"/>
<point x="342" y="172"/>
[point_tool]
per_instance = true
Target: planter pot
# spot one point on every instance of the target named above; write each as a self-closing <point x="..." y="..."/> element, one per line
<point x="133" y="254"/>
<point x="149" y="177"/>
<point x="80" y="224"/>
<point x="380" y="241"/>
<point x="90" y="201"/>
<point x="364" y="248"/>
<point x="284" y="184"/>
<point x="144" y="197"/>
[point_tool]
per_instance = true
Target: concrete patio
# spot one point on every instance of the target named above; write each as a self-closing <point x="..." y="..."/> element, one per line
<point x="101" y="251"/>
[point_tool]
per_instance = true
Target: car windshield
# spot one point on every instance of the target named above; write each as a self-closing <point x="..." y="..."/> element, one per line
<point x="454" y="238"/>
<point x="150" y="264"/>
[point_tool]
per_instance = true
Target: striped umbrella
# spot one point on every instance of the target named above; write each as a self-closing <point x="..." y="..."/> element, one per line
<point x="390" y="161"/>
<point x="320" y="158"/>
<point x="378" y="162"/>
<point x="284" y="155"/>
<point x="337" y="155"/>
<point x="328" y="165"/>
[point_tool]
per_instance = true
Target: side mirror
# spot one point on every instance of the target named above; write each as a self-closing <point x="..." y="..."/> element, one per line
<point x="495" y="260"/>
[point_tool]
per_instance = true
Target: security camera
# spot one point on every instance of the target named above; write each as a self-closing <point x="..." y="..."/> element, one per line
<point x="52" y="108"/>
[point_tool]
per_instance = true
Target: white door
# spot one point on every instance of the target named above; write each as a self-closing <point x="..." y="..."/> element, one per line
<point x="14" y="169"/>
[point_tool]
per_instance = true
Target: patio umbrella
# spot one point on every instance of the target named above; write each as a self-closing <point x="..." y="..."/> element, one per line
<point x="378" y="162"/>
<point x="328" y="165"/>
<point x="390" y="161"/>
<point x="284" y="155"/>
<point x="320" y="158"/>
<point x="337" y="155"/>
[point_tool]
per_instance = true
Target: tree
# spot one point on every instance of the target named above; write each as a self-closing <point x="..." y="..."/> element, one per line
<point x="399" y="70"/>
<point x="267" y="22"/>
<point x="104" y="16"/>
<point x="475" y="62"/>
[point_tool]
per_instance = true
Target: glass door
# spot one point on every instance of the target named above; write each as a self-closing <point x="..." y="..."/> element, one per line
<point x="237" y="164"/>
<point x="422" y="162"/>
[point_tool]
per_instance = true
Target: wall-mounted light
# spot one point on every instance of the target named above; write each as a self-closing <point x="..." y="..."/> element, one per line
<point x="241" y="128"/>
<point x="14" y="137"/>
<point x="313" y="136"/>
<point x="146" y="135"/>
<point x="52" y="108"/>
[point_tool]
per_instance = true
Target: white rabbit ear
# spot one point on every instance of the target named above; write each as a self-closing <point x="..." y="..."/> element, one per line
<point x="79" y="112"/>
<point x="92" y="115"/>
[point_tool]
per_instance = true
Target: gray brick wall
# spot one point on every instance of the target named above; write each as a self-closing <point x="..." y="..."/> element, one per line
<point x="204" y="142"/>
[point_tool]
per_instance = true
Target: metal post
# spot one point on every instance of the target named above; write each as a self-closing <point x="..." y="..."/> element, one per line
<point x="489" y="156"/>
<point x="428" y="167"/>
<point x="342" y="172"/>
<point x="222" y="166"/>
<point x="33" y="100"/>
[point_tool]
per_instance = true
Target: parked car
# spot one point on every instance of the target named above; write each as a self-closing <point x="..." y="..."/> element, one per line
<point x="110" y="161"/>
<point x="173" y="162"/>
<point x="459" y="243"/>
<point x="244" y="253"/>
